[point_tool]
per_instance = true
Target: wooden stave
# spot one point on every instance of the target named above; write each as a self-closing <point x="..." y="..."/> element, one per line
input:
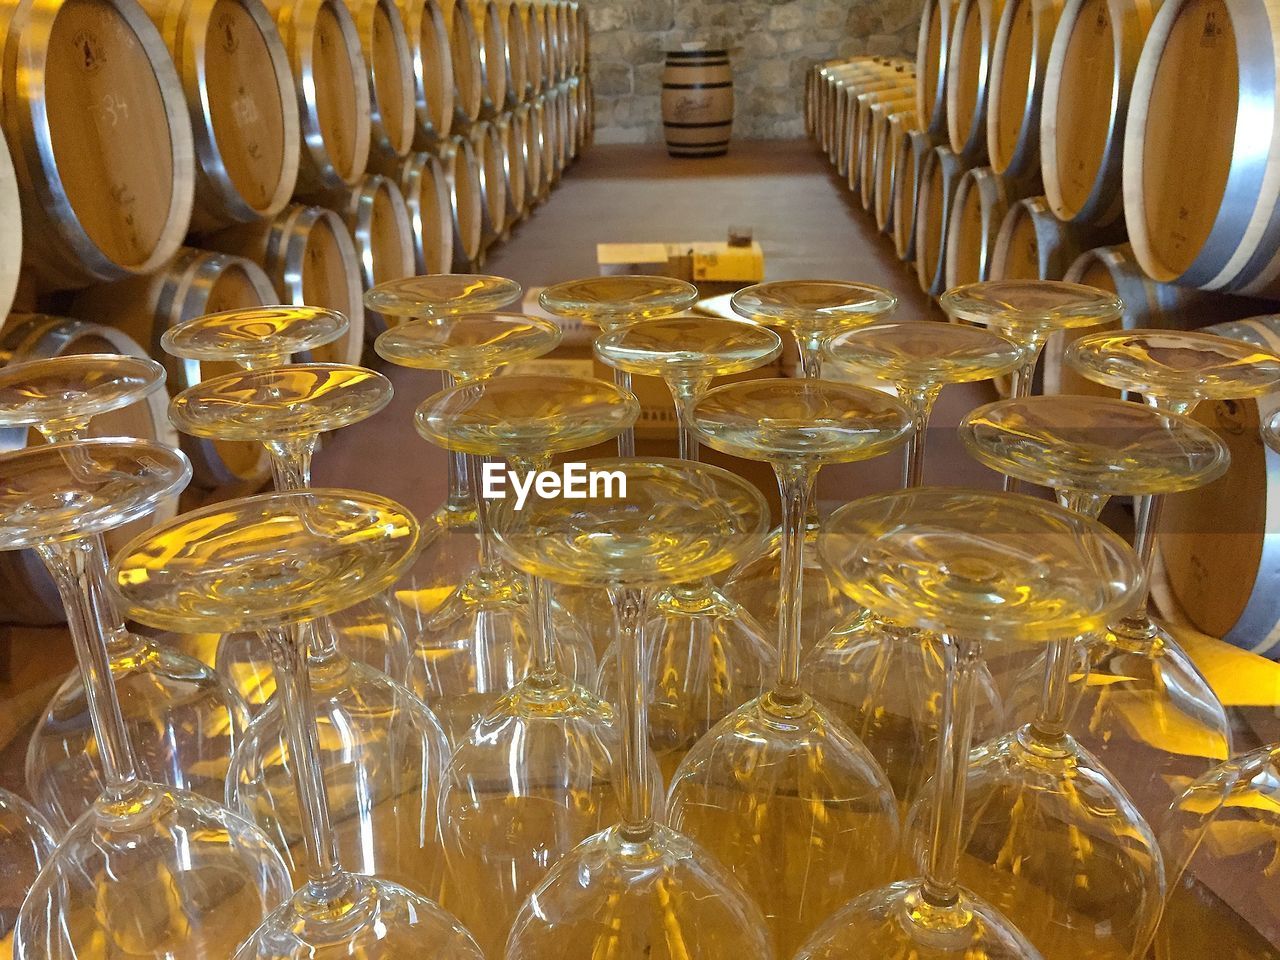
<point x="897" y="127"/>
<point x="967" y="129"/>
<point x="931" y="271"/>
<point x="1104" y="203"/>
<point x="219" y="201"/>
<point x="931" y="65"/>
<point x="486" y="142"/>
<point x="433" y="84"/>
<point x="28" y="595"/>
<point x="908" y="164"/>
<point x="282" y="247"/>
<point x="189" y="286"/>
<point x="871" y="112"/>
<point x="462" y="175"/>
<point x="1237" y="253"/>
<point x="980" y="185"/>
<point x="425" y="187"/>
<point x="1023" y="161"/>
<point x="392" y="129"/>
<point x="58" y="250"/>
<point x="1227" y="586"/>
<point x="468" y="68"/>
<point x="319" y="171"/>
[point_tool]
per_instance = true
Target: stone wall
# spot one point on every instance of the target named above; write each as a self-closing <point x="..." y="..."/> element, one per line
<point x="771" y="44"/>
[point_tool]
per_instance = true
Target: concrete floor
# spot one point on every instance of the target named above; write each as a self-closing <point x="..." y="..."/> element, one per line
<point x="800" y="213"/>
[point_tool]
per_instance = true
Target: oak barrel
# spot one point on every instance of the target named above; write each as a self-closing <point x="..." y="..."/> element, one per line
<point x="697" y="102"/>
<point x="848" y="98"/>
<point x="871" y="112"/>
<point x="468" y="64"/>
<point x="535" y="46"/>
<point x="494" y="67"/>
<point x="517" y="52"/>
<point x="535" y="181"/>
<point x="973" y="36"/>
<point x="375" y="212"/>
<point x="1015" y="85"/>
<point x="832" y="104"/>
<point x="933" y="47"/>
<point x="308" y="254"/>
<point x="27" y="593"/>
<point x="1207" y="216"/>
<point x="1221" y="543"/>
<point x="84" y="83"/>
<point x="939" y="175"/>
<point x="1091" y="67"/>
<point x="515" y="146"/>
<point x="466" y="204"/>
<point x="384" y="41"/>
<point x="239" y="91"/>
<point x="425" y="187"/>
<point x="332" y="92"/>
<point x="433" y="87"/>
<point x="886" y="169"/>
<point x="977" y="211"/>
<point x="194" y="283"/>
<point x="486" y="141"/>
<point x="10" y="233"/>
<point x="907" y="166"/>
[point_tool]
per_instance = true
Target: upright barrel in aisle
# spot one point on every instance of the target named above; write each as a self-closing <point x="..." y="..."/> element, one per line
<point x="332" y="92"/>
<point x="240" y="98"/>
<point x="86" y="83"/>
<point x="697" y="102"/>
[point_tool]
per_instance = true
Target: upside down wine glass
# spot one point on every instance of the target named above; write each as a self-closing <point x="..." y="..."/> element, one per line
<point x="969" y="567"/>
<point x="380" y="748"/>
<point x="1033" y="793"/>
<point x="638" y="888"/>
<point x="535" y="775"/>
<point x="279" y="563"/>
<point x="26" y="843"/>
<point x="1141" y="684"/>
<point x="182" y="720"/>
<point x="707" y="654"/>
<point x="884" y="682"/>
<point x="814" y="311"/>
<point x="780" y="790"/>
<point x="149" y="869"/>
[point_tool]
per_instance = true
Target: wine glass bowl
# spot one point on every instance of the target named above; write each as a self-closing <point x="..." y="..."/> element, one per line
<point x="611" y="301"/>
<point x="60" y="395"/>
<point x="254" y="337"/>
<point x="468" y="345"/>
<point x="441" y="295"/>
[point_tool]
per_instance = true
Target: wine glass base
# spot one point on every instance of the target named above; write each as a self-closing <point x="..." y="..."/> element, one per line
<point x="1029" y="799"/>
<point x="788" y="798"/>
<point x="897" y="923"/>
<point x="183" y="722"/>
<point x="371" y="918"/>
<point x="661" y="898"/>
<point x="175" y="874"/>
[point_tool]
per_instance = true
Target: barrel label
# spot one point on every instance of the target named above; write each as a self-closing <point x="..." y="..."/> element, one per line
<point x="112" y="109"/>
<point x="91" y="56"/>
<point x="226" y="30"/>
<point x="1212" y="31"/>
<point x="688" y="107"/>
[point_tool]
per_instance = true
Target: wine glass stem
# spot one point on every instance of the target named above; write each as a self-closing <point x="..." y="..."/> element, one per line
<point x="686" y="392"/>
<point x="289" y="656"/>
<point x="942" y="869"/>
<point x="79" y="571"/>
<point x="810" y="347"/>
<point x="920" y="398"/>
<point x="460" y="498"/>
<point x="291" y="462"/>
<point x="796" y="482"/>
<point x="544" y="665"/>
<point x="627" y="438"/>
<point x="629" y="605"/>
<point x="1020" y="383"/>
<point x="488" y="556"/>
<point x="64" y="431"/>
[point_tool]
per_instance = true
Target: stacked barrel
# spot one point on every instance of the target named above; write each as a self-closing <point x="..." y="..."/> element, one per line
<point x="168" y="158"/>
<point x="1130" y="145"/>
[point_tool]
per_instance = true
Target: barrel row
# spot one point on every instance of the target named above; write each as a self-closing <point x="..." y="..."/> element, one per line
<point x="135" y="127"/>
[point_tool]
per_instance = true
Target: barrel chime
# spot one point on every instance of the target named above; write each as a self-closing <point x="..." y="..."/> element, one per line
<point x="170" y="158"/>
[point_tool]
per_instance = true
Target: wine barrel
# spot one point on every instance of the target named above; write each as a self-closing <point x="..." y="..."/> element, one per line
<point x="194" y="283"/>
<point x="433" y="87"/>
<point x="555" y="41"/>
<point x="494" y="68"/>
<point x="466" y="205"/>
<point x="973" y="36"/>
<point x="516" y="54"/>
<point x="1219" y="542"/>
<point x="849" y="95"/>
<point x="333" y="97"/>
<point x="308" y="254"/>
<point x="425" y="187"/>
<point x="546" y="116"/>
<point x="376" y="214"/>
<point x="468" y="65"/>
<point x="10" y="233"/>
<point x="564" y="126"/>
<point x="388" y="59"/>
<point x="697" y="102"/>
<point x="240" y="98"/>
<point x="27" y="593"/>
<point x="486" y="141"/>
<point x="515" y="146"/>
<point x="886" y="170"/>
<point x="84" y="83"/>
<point x="534" y="132"/>
<point x="977" y="212"/>
<point x="1033" y="244"/>
<point x="535" y="47"/>
<point x="1202" y="151"/>
<point x="1091" y="67"/>
<point x="907" y="166"/>
<point x="1015" y="85"/>
<point x="1147" y="303"/>
<point x="568" y="54"/>
<point x="939" y="175"/>
<point x="585" y="111"/>
<point x="873" y="117"/>
<point x="831" y="122"/>
<point x="933" y="48"/>
<point x="577" y="39"/>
